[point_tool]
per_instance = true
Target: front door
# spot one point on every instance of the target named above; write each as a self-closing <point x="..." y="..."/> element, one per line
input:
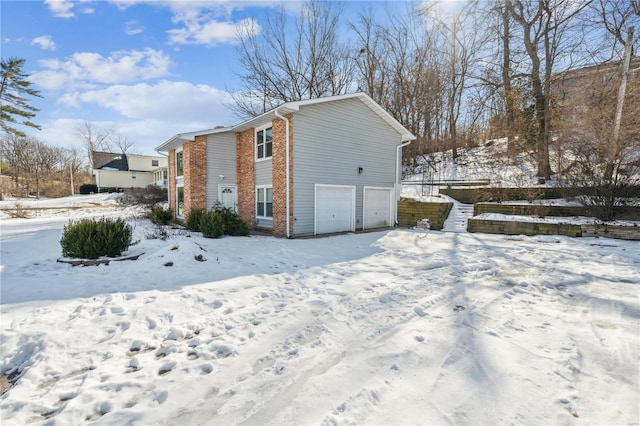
<point x="227" y="194"/>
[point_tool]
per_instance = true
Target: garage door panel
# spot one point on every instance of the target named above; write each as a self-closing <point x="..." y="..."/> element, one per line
<point x="377" y="208"/>
<point x="334" y="209"/>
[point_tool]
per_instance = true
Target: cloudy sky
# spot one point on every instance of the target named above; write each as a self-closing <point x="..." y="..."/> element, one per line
<point x="148" y="69"/>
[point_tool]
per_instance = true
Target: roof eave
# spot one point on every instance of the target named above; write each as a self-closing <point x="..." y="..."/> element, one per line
<point x="181" y="138"/>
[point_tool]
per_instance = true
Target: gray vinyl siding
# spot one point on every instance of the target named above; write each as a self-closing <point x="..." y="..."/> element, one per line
<point x="264" y="172"/>
<point x="330" y="141"/>
<point x="221" y="160"/>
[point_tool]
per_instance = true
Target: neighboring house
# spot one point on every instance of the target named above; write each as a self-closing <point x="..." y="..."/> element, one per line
<point x="577" y="89"/>
<point x="307" y="167"/>
<point x="114" y="170"/>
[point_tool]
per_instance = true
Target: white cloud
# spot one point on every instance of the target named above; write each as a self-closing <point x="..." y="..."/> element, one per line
<point x="210" y="32"/>
<point x="204" y="23"/>
<point x="165" y="100"/>
<point x="64" y="8"/>
<point x="45" y="42"/>
<point x="60" y="8"/>
<point x="86" y="69"/>
<point x="133" y="27"/>
<point x="151" y="113"/>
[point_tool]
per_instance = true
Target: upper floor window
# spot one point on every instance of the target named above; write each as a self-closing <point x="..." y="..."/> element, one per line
<point x="264" y="139"/>
<point x="179" y="164"/>
<point x="154" y="163"/>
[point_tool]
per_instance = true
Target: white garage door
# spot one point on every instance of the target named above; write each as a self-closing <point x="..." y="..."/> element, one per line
<point x="335" y="208"/>
<point x="377" y="207"/>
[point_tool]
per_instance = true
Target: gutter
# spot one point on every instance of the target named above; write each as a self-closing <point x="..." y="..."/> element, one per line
<point x="282" y="117"/>
<point x="398" y="157"/>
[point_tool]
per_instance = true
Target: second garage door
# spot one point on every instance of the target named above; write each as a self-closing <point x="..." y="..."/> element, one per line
<point x="334" y="208"/>
<point x="377" y="207"/>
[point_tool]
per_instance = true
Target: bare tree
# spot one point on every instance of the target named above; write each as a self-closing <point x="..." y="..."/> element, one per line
<point x="397" y="67"/>
<point x="614" y="17"/>
<point x="546" y="27"/>
<point x="94" y="138"/>
<point x="14" y="149"/>
<point x="121" y="143"/>
<point x="72" y="165"/>
<point x="285" y="63"/>
<point x="461" y="39"/>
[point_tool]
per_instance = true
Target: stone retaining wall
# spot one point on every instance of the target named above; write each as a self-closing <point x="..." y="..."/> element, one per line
<point x="542" y="228"/>
<point x="410" y="212"/>
<point x="624" y="213"/>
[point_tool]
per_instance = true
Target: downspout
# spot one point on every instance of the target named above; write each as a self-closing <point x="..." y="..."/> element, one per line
<point x="282" y="117"/>
<point x="398" y="156"/>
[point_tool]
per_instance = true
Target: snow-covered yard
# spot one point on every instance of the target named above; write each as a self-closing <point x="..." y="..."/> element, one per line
<point x="393" y="327"/>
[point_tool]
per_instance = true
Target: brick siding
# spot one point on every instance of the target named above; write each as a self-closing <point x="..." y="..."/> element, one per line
<point x="195" y="174"/>
<point x="280" y="177"/>
<point x="245" y="176"/>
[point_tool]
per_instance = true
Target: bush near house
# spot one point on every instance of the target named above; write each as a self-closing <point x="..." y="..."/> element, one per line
<point x="217" y="222"/>
<point x="231" y="222"/>
<point x="91" y="239"/>
<point x="160" y="215"/>
<point x="211" y="224"/>
<point x="193" y="219"/>
<point x="149" y="195"/>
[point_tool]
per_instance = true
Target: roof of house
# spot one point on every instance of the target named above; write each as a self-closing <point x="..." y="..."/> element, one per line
<point x="603" y="68"/>
<point x="181" y="138"/>
<point x="110" y="161"/>
<point x="289" y="107"/>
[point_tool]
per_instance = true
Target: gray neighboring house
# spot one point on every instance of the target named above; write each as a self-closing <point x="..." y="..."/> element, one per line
<point x="308" y="167"/>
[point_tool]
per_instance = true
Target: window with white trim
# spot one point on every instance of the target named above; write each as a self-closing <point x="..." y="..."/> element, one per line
<point x="180" y="201"/>
<point x="179" y="163"/>
<point x="264" y="202"/>
<point x="264" y="142"/>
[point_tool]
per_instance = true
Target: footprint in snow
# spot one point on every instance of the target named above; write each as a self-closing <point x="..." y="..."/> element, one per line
<point x="166" y="368"/>
<point x="419" y="311"/>
<point x="133" y="366"/>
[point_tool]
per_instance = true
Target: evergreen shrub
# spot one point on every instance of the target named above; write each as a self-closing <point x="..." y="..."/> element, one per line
<point x="161" y="216"/>
<point x="193" y="219"/>
<point x="91" y="239"/>
<point x="211" y="224"/>
<point x="88" y="188"/>
<point x="232" y="223"/>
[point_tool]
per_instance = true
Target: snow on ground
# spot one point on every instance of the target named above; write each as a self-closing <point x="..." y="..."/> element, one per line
<point x="393" y="327"/>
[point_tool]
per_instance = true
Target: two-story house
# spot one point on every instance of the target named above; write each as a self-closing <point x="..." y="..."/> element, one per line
<point x="308" y="167"/>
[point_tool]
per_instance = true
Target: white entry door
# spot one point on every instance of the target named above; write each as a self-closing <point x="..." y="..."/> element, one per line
<point x="228" y="196"/>
<point x="377" y="207"/>
<point x="335" y="208"/>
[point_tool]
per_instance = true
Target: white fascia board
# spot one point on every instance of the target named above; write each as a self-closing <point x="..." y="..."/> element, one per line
<point x="266" y="117"/>
<point x="179" y="139"/>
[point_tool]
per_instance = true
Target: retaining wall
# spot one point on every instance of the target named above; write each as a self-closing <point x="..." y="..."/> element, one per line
<point x="410" y="212"/>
